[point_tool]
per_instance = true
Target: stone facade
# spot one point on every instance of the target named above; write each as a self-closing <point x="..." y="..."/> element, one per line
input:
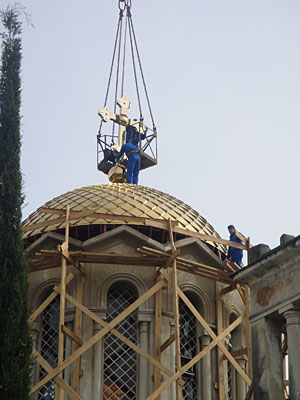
<point x="100" y="278"/>
<point x="110" y="366"/>
<point x="274" y="279"/>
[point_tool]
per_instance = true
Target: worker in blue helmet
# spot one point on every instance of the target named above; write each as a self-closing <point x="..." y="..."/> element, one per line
<point x="133" y="165"/>
<point x="234" y="254"/>
<point x="133" y="135"/>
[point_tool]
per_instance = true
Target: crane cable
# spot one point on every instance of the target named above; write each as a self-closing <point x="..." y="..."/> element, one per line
<point x="141" y="70"/>
<point x="118" y="68"/>
<point x="118" y="36"/>
<point x="133" y="45"/>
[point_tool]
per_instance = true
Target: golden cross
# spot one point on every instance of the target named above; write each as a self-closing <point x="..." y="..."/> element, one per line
<point x="122" y="119"/>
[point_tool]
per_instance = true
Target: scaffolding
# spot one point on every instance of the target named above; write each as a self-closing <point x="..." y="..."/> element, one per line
<point x="166" y="267"/>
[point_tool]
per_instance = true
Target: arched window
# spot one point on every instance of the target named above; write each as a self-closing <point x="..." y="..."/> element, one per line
<point x="120" y="372"/>
<point x="49" y="345"/>
<point x="188" y="349"/>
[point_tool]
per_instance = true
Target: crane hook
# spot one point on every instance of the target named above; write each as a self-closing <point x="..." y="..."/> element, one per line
<point x="127" y="4"/>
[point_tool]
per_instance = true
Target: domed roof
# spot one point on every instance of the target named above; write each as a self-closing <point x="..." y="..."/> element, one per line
<point x="120" y="199"/>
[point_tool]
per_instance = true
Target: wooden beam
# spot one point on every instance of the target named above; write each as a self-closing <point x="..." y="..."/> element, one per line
<point x="43" y="224"/>
<point x="184" y="262"/>
<point x="213" y="335"/>
<point x="249" y="394"/>
<point x="49" y="299"/>
<point x="66" y="255"/>
<point x="171" y="258"/>
<point x="193" y="267"/>
<point x="237" y="353"/>
<point x="248" y="331"/>
<point x="87" y="345"/>
<point x="177" y="328"/>
<point x="104" y="258"/>
<point x="219" y="316"/>
<point x="72" y="335"/>
<point x="241" y="237"/>
<point x="70" y="392"/>
<point x="155" y="223"/>
<point x="209" y="330"/>
<point x="179" y="395"/>
<point x="119" y="335"/>
<point x="157" y="335"/>
<point x="195" y="359"/>
<point x="241" y="292"/>
<point x="65" y="246"/>
<point x="234" y="266"/>
<point x="78" y="328"/>
<point x="228" y="289"/>
<point x="167" y="343"/>
<point x="129" y="219"/>
<point x="171" y="236"/>
<point x="249" y="245"/>
<point x="209" y="238"/>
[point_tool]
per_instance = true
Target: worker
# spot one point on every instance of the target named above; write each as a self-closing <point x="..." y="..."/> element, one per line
<point x="108" y="156"/>
<point x="234" y="254"/>
<point x="133" y="165"/>
<point x="133" y="135"/>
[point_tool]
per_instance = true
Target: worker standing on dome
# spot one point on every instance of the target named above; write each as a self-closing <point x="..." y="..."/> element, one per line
<point x="133" y="165"/>
<point x="234" y="254"/>
<point x="133" y="136"/>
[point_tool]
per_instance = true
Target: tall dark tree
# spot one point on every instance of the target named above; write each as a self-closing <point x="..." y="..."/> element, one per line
<point x="15" y="335"/>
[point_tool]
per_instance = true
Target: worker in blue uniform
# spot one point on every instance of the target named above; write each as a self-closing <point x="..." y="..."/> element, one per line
<point x="108" y="156"/>
<point x="133" y="136"/>
<point x="133" y="165"/>
<point x="234" y="254"/>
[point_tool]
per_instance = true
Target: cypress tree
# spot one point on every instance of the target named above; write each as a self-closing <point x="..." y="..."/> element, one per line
<point x="15" y="334"/>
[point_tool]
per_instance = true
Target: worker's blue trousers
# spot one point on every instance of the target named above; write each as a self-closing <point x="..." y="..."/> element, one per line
<point x="133" y="168"/>
<point x="237" y="257"/>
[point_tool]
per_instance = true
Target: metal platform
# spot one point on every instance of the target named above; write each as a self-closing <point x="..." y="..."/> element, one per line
<point x="146" y="162"/>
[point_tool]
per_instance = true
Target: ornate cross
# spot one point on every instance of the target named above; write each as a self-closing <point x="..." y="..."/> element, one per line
<point x="122" y="120"/>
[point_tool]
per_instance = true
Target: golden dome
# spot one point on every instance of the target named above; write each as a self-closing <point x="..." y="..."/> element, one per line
<point x="120" y="199"/>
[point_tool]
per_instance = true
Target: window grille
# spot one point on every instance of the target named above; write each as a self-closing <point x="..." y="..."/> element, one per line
<point x="119" y="377"/>
<point x="188" y="349"/>
<point x="49" y="346"/>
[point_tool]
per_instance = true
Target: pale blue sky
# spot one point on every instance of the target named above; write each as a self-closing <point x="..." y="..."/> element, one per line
<point x="224" y="84"/>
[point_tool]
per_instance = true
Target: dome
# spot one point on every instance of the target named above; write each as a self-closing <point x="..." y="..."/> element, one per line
<point x="119" y="199"/>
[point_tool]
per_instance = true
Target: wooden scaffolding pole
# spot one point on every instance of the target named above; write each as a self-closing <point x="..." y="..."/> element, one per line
<point x="186" y="367"/>
<point x="76" y="371"/>
<point x="123" y="338"/>
<point x="219" y="316"/>
<point x="157" y="335"/>
<point x="49" y="299"/>
<point x="89" y="343"/>
<point x="70" y="392"/>
<point x="179" y="395"/>
<point x="248" y="334"/>
<point x="59" y="395"/>
<point x="162" y="261"/>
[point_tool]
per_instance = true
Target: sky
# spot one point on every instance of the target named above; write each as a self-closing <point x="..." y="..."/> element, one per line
<point x="223" y="79"/>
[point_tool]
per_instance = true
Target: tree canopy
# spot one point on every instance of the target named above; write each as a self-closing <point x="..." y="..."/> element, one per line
<point x="15" y="334"/>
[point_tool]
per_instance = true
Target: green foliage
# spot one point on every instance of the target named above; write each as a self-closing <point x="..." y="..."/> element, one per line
<point x="15" y="334"/>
